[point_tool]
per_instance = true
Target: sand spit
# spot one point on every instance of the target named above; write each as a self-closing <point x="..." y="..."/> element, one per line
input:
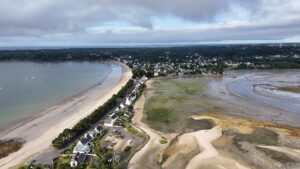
<point x="148" y="156"/>
<point x="209" y="156"/>
<point x="40" y="132"/>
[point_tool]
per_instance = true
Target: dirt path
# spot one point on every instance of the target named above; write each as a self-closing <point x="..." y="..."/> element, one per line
<point x="148" y="156"/>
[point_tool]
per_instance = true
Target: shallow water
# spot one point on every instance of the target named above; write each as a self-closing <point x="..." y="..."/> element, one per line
<point x="27" y="88"/>
<point x="250" y="86"/>
<point x="171" y="102"/>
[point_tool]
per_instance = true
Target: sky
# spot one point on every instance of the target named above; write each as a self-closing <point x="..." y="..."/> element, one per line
<point x="147" y="22"/>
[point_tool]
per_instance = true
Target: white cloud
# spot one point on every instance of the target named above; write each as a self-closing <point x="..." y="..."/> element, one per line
<point x="47" y="22"/>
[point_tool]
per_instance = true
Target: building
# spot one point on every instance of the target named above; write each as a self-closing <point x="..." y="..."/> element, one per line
<point x="122" y="106"/>
<point x="128" y="102"/>
<point x="111" y="120"/>
<point x="99" y="130"/>
<point x="109" y="123"/>
<point x="77" y="159"/>
<point x="83" y="145"/>
<point x="91" y="134"/>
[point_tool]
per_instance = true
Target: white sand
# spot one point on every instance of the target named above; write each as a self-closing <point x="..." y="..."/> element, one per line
<point x="209" y="156"/>
<point x="40" y="132"/>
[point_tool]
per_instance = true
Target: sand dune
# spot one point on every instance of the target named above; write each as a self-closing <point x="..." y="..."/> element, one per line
<point x="209" y="156"/>
<point x="40" y="132"/>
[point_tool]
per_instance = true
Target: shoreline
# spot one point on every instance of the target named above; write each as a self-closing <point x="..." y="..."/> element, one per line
<point x="18" y="123"/>
<point x="41" y="130"/>
<point x="8" y="127"/>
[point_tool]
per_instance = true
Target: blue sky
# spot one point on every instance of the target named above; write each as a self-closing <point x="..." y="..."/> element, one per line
<point x="144" y="22"/>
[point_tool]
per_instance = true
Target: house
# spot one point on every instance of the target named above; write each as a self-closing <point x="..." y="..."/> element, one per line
<point x="127" y="114"/>
<point x="77" y="159"/>
<point x="99" y="129"/>
<point x="114" y="116"/>
<point x="122" y="106"/>
<point x="132" y="98"/>
<point x="111" y="120"/>
<point x="81" y="148"/>
<point x="83" y="145"/>
<point x="92" y="134"/>
<point x="128" y="102"/>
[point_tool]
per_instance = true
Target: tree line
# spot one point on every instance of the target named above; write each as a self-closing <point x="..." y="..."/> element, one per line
<point x="69" y="135"/>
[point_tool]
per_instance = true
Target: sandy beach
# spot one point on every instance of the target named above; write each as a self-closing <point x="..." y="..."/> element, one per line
<point x="149" y="156"/>
<point x="148" y="152"/>
<point x="40" y="131"/>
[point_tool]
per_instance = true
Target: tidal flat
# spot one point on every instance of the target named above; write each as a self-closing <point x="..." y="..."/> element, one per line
<point x="238" y="120"/>
<point x="170" y="102"/>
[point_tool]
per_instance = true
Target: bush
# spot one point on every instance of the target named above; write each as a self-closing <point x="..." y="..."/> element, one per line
<point x="127" y="148"/>
<point x="162" y="141"/>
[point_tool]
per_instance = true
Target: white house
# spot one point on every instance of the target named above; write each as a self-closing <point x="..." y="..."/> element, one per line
<point x="83" y="145"/>
<point x="109" y="123"/>
<point x="81" y="148"/>
<point x="122" y="106"/>
<point x="128" y="102"/>
<point x="111" y="120"/>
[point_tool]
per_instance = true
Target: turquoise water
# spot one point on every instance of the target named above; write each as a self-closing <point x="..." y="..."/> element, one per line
<point x="29" y="87"/>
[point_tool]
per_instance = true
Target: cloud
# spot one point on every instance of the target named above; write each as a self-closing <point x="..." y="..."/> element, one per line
<point x="145" y="21"/>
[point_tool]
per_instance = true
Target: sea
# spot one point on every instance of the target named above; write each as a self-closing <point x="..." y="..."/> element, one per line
<point x="27" y="88"/>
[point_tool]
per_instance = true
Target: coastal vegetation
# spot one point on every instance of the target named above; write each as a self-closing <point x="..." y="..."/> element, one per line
<point x="262" y="136"/>
<point x="9" y="146"/>
<point x="278" y="156"/>
<point x="163" y="141"/>
<point x="69" y="135"/>
<point x="170" y="102"/>
<point x="130" y="128"/>
<point x="174" y="61"/>
<point x="293" y="89"/>
<point x="248" y="56"/>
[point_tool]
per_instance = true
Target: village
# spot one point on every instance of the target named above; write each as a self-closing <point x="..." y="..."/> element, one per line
<point x="112" y="141"/>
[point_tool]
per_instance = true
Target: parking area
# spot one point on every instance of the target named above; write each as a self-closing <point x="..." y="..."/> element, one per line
<point x="121" y="141"/>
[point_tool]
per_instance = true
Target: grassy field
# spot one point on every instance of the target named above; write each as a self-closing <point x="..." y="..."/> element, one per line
<point x="170" y="102"/>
